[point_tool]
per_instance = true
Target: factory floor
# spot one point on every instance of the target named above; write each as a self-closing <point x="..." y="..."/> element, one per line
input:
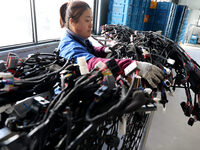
<point x="169" y="129"/>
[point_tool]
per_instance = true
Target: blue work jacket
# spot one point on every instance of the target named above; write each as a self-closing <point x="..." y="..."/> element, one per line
<point x="74" y="46"/>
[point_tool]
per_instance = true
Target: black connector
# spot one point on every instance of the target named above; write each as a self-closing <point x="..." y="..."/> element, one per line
<point x="113" y="66"/>
<point x="2" y="66"/>
<point x="186" y="109"/>
<point x="191" y="121"/>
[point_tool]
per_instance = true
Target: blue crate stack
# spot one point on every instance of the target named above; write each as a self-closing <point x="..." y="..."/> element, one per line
<point x="138" y="14"/>
<point x="180" y="11"/>
<point x="150" y="12"/>
<point x="164" y="18"/>
<point x="132" y="13"/>
<point x="127" y="12"/>
<point x="119" y="12"/>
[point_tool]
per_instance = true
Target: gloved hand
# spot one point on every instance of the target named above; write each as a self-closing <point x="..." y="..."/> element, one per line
<point x="150" y="72"/>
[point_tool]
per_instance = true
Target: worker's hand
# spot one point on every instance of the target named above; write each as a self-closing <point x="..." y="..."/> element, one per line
<point x="150" y="72"/>
<point x="112" y="46"/>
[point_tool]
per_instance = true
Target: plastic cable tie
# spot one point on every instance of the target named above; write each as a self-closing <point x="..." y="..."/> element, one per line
<point x="130" y="68"/>
<point x="83" y="65"/>
<point x="148" y="90"/>
<point x="82" y="61"/>
<point x="100" y="65"/>
<point x="122" y="125"/>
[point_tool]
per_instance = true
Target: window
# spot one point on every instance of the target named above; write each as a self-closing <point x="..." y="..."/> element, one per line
<point x="47" y="19"/>
<point x="30" y="21"/>
<point x="15" y="27"/>
<point x="198" y="22"/>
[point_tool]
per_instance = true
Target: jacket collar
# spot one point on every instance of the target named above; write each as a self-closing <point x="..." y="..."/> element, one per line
<point x="76" y="36"/>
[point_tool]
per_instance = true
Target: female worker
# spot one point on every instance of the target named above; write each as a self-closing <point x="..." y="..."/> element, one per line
<point x="76" y="17"/>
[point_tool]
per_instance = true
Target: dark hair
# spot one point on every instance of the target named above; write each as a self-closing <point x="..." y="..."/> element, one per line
<point x="72" y="10"/>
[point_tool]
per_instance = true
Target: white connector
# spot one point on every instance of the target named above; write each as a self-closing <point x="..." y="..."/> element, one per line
<point x="130" y="68"/>
<point x="170" y="61"/>
<point x="168" y="71"/>
<point x="100" y="65"/>
<point x="83" y="65"/>
<point x="122" y="125"/>
<point x="148" y="90"/>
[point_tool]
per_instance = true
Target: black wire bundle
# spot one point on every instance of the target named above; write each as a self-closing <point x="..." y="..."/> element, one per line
<point x="157" y="49"/>
<point x="86" y="112"/>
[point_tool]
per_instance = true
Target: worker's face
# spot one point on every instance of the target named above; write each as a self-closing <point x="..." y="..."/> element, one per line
<point x="84" y="25"/>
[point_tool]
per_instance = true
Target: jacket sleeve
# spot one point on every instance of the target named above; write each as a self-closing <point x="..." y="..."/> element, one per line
<point x="74" y="50"/>
<point x="100" y="51"/>
<point x="122" y="63"/>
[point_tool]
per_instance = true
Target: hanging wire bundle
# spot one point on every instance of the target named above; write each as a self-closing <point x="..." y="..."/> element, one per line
<point x="154" y="48"/>
<point x="46" y="103"/>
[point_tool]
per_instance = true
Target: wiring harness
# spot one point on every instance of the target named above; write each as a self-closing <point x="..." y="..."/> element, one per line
<point x="154" y="48"/>
<point x="47" y="103"/>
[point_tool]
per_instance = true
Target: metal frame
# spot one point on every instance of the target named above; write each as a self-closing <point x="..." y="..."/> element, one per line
<point x="146" y="131"/>
<point x="33" y="21"/>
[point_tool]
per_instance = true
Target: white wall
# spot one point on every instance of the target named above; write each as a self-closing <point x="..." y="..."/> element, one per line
<point x="194" y="7"/>
<point x="193" y="16"/>
<point x="193" y="4"/>
<point x="192" y="22"/>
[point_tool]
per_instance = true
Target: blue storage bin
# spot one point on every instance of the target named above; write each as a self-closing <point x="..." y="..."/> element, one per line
<point x="136" y="3"/>
<point x="137" y="23"/>
<point x="127" y="2"/>
<point x="193" y="41"/>
<point x="161" y="17"/>
<point x="138" y="12"/>
<point x="164" y="5"/>
<point x="134" y="22"/>
<point x="143" y="3"/>
<point x="148" y="26"/>
<point x="178" y="21"/>
<point x="135" y="10"/>
<point x="171" y="19"/>
<point x="119" y="12"/>
<point x="194" y="37"/>
<point x="151" y="11"/>
<point x="151" y="17"/>
<point x="118" y="19"/>
<point x="122" y="9"/>
<point x="158" y="27"/>
<point x="120" y="1"/>
<point x="164" y="18"/>
<point x="128" y="12"/>
<point x="148" y="3"/>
